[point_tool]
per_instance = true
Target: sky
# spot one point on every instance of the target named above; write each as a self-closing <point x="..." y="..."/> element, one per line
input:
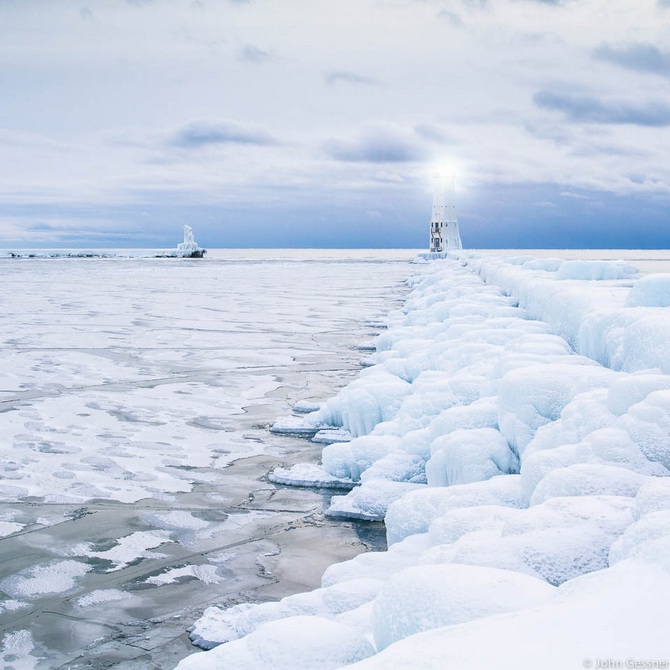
<point x="320" y="123"/>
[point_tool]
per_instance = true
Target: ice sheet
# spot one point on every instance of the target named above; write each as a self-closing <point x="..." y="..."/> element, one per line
<point x="134" y="402"/>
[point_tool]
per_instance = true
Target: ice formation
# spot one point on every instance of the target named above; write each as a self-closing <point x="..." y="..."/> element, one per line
<point x="189" y="247"/>
<point x="513" y="431"/>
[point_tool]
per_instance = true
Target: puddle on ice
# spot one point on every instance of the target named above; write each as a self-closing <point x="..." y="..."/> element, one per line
<point x="134" y="411"/>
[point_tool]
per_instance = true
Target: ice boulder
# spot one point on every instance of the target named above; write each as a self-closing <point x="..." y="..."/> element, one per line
<point x="378" y="564"/>
<point x="628" y="390"/>
<point x="648" y="424"/>
<point x="519" y="260"/>
<point x="598" y="270"/>
<point x="613" y="446"/>
<point x="653" y="496"/>
<point x="456" y="523"/>
<point x="546" y="264"/>
<point x="349" y="460"/>
<point x="364" y="403"/>
<point x="482" y="413"/>
<point x="641" y="538"/>
<point x="534" y="396"/>
<point x="297" y="642"/>
<point x="433" y="394"/>
<point x="587" y="479"/>
<point x="650" y="291"/>
<point x="370" y="500"/>
<point x="537" y="465"/>
<point x="218" y="626"/>
<point x="646" y="342"/>
<point x="415" y="511"/>
<point x="398" y="466"/>
<point x="556" y="541"/>
<point x="588" y="612"/>
<point x="584" y="414"/>
<point x="466" y="456"/>
<point x="429" y="596"/>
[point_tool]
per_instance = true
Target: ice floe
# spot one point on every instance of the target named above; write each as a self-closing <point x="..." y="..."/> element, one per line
<point x="53" y="577"/>
<point x="205" y="573"/>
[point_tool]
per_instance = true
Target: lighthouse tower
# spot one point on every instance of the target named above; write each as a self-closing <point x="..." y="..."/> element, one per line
<point x="444" y="235"/>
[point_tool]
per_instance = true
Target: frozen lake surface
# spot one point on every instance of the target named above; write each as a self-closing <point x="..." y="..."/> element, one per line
<point x="135" y="396"/>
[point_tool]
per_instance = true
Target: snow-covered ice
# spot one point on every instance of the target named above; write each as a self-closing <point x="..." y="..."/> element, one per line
<point x="135" y="397"/>
<point x="127" y="549"/>
<point x="513" y="432"/>
<point x="54" y="577"/>
<point x="309" y="474"/>
<point x="102" y="596"/>
<point x="423" y="597"/>
<point x="17" y="651"/>
<point x="205" y="573"/>
<point x="295" y="642"/>
<point x="610" y="615"/>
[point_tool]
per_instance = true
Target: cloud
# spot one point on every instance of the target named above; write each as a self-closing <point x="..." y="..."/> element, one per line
<point x="451" y="17"/>
<point x="86" y="14"/>
<point x="253" y="54"/>
<point x="376" y="145"/>
<point x="433" y="133"/>
<point x="198" y="134"/>
<point x="336" y="77"/>
<point x="486" y="3"/>
<point x="641" y="57"/>
<point x="10" y="138"/>
<point x="590" y="109"/>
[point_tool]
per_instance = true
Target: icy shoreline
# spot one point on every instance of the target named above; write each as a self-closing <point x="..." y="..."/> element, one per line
<point x="514" y="433"/>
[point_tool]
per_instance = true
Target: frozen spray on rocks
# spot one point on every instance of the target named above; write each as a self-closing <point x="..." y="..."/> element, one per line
<point x="514" y="435"/>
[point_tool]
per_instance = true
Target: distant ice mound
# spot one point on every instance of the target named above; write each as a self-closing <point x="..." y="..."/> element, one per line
<point x="189" y="247"/>
<point x="596" y="270"/>
<point x="650" y="291"/>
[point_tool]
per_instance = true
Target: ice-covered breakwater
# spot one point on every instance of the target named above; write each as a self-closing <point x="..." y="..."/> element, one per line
<point x="189" y="248"/>
<point x="513" y="430"/>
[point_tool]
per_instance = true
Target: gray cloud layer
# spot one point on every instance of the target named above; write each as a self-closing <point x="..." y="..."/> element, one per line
<point x="348" y="78"/>
<point x="376" y="145"/>
<point x="253" y="54"/>
<point x="587" y="108"/>
<point x="642" y="57"/>
<point x="197" y="134"/>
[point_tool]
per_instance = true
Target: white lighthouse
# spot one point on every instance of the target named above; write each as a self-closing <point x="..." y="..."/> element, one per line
<point x="444" y="235"/>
